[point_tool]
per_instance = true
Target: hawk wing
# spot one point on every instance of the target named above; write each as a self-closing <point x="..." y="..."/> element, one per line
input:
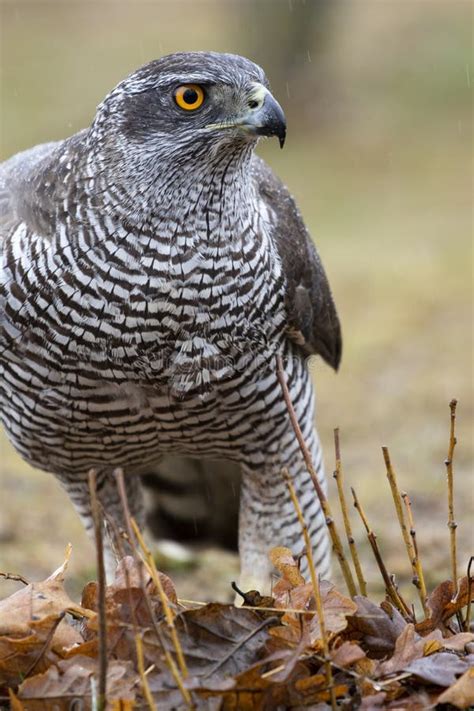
<point x="313" y="322"/>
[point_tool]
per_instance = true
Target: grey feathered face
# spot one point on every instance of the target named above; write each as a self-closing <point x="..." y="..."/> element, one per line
<point x="193" y="102"/>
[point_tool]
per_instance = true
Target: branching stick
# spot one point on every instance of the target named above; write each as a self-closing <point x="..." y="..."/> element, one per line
<point x="452" y="525"/>
<point x="390" y="588"/>
<point x="467" y="621"/>
<point x="417" y="561"/>
<point x="99" y="547"/>
<point x="164" y="600"/>
<point x="129" y="524"/>
<point x="339" y="477"/>
<point x="141" y="671"/>
<point x="315" y="584"/>
<point x="14" y="576"/>
<point x="335" y="538"/>
<point x="408" y="541"/>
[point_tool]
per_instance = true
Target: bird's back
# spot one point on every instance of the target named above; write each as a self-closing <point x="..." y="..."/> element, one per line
<point x="17" y="178"/>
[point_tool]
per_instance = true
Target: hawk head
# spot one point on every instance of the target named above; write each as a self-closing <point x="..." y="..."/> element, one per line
<point x="188" y="105"/>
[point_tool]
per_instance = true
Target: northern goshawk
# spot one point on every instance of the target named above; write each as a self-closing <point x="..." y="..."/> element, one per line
<point x="153" y="267"/>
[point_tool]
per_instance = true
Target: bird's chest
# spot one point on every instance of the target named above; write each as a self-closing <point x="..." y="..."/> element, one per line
<point x="182" y="308"/>
<point x="203" y="308"/>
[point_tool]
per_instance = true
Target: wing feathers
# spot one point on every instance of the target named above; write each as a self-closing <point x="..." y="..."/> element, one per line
<point x="312" y="317"/>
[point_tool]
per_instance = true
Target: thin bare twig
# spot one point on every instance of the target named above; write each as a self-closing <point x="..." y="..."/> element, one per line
<point x="467" y="621"/>
<point x="390" y="588"/>
<point x="141" y="671"/>
<point x="131" y="538"/>
<point x="397" y="500"/>
<point x="339" y="477"/>
<point x="315" y="584"/>
<point x="163" y="598"/>
<point x="45" y="645"/>
<point x="14" y="576"/>
<point x="417" y="559"/>
<point x="411" y="522"/>
<point x="452" y="525"/>
<point x="132" y="605"/>
<point x="263" y="608"/>
<point x="335" y="538"/>
<point x="99" y="547"/>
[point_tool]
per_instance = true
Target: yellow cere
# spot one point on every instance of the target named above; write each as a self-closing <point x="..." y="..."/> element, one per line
<point x="189" y="96"/>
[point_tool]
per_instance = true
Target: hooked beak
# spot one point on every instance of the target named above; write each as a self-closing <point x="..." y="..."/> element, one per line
<point x="264" y="116"/>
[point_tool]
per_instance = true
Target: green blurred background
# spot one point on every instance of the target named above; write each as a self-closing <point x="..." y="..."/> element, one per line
<point x="378" y="97"/>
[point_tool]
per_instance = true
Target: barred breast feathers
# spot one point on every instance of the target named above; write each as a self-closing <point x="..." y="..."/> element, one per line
<point x="198" y="290"/>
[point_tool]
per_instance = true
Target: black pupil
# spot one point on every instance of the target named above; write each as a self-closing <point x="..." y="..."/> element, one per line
<point x="190" y="96"/>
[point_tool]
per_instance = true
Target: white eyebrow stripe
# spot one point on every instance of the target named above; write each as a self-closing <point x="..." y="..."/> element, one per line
<point x="189" y="79"/>
<point x="258" y="91"/>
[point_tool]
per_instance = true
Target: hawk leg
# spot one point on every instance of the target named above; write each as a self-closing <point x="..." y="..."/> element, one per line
<point x="107" y="491"/>
<point x="268" y="518"/>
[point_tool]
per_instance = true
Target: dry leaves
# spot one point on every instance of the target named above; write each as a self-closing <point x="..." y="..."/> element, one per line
<point x="293" y="593"/>
<point x="33" y="631"/>
<point x="377" y="626"/>
<point x="440" y="669"/>
<point x="461" y="693"/>
<point x="443" y="603"/>
<point x="71" y="678"/>
<point x="236" y="658"/>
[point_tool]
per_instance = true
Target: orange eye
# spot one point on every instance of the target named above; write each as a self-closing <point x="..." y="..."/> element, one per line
<point x="189" y="97"/>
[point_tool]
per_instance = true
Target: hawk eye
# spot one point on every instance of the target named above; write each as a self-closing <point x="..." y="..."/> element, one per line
<point x="189" y="96"/>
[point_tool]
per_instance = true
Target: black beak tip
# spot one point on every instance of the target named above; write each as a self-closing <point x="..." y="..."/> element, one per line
<point x="273" y="121"/>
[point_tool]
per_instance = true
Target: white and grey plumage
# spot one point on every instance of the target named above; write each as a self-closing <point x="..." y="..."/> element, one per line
<point x="152" y="269"/>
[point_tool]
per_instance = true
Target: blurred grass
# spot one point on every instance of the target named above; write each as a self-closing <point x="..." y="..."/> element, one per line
<point x="379" y="157"/>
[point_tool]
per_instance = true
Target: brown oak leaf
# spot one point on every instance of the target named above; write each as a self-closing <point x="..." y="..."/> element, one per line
<point x="461" y="693"/>
<point x="376" y="627"/>
<point x="72" y="677"/>
<point x="440" y="669"/>
<point x="283" y="560"/>
<point x="443" y="603"/>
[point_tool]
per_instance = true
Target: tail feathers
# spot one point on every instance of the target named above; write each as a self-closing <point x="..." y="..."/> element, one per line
<point x="194" y="501"/>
